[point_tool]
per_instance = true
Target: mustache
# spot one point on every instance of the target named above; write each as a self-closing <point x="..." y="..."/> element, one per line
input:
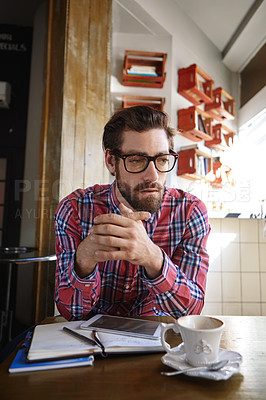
<point x="148" y="185"/>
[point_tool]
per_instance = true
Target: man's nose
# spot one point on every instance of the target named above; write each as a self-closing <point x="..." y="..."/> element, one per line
<point x="151" y="173"/>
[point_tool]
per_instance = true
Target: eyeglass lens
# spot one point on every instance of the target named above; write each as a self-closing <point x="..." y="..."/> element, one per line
<point x="137" y="163"/>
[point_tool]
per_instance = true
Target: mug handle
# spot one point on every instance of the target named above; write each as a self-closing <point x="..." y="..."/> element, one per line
<point x="165" y="327"/>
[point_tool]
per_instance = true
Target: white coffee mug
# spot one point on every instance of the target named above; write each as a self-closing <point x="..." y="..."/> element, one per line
<point x="201" y="338"/>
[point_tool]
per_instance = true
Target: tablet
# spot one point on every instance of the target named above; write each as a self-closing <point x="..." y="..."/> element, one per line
<point x="124" y="326"/>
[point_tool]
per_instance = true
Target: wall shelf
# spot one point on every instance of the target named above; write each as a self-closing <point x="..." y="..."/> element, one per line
<point x="193" y="164"/>
<point x="154" y="102"/>
<point x="144" y="69"/>
<point x="195" y="85"/>
<point x="221" y="174"/>
<point x="195" y="124"/>
<point x="217" y="183"/>
<point x="222" y="138"/>
<point x="222" y="106"/>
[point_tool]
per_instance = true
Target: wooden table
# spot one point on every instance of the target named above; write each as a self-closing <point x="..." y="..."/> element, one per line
<point x="138" y="377"/>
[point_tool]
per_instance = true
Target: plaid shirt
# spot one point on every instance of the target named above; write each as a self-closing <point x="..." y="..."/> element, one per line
<point x="180" y="228"/>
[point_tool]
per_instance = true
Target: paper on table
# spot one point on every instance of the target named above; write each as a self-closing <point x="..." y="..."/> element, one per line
<point x="51" y="337"/>
<point x="112" y="340"/>
<point x="51" y="341"/>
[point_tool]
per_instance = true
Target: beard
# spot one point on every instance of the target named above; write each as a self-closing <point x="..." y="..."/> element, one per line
<point x="150" y="203"/>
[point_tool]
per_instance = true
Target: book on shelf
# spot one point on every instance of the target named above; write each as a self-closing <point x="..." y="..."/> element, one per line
<point x="142" y="70"/>
<point x="201" y="125"/>
<point x="200" y="83"/>
<point x="200" y="166"/>
<point x="207" y="163"/>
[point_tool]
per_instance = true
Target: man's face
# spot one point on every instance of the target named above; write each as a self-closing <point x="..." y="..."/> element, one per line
<point x="142" y="191"/>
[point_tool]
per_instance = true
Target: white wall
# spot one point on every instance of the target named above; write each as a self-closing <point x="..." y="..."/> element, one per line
<point x="236" y="283"/>
<point x="189" y="46"/>
<point x="185" y="44"/>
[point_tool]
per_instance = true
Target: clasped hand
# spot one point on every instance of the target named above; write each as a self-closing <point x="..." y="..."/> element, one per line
<point x="119" y="237"/>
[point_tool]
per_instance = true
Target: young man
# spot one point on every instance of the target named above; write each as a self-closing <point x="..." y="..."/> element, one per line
<point x="133" y="247"/>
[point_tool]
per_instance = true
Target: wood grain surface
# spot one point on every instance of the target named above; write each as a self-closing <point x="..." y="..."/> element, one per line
<point x="138" y="377"/>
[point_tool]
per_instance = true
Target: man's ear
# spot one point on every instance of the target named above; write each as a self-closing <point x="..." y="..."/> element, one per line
<point x="110" y="161"/>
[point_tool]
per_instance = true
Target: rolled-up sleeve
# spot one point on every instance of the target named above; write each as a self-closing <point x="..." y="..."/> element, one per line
<point x="180" y="289"/>
<point x="74" y="296"/>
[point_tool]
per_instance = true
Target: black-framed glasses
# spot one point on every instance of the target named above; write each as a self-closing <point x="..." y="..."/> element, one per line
<point x="136" y="163"/>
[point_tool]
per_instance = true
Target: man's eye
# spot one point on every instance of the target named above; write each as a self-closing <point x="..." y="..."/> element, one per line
<point x="163" y="160"/>
<point x="136" y="160"/>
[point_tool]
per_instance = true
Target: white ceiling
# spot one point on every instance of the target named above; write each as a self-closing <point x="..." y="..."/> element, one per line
<point x="236" y="27"/>
<point x="218" y="19"/>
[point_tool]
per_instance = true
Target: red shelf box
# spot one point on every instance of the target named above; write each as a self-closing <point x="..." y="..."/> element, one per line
<point x="217" y="172"/>
<point x="154" y="102"/>
<point x="222" y="106"/>
<point x="195" y="124"/>
<point x="223" y="138"/>
<point x="193" y="164"/>
<point x="195" y="85"/>
<point x="144" y="69"/>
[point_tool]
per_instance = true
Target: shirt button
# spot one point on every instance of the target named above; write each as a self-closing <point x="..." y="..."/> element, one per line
<point x="127" y="287"/>
<point x="118" y="313"/>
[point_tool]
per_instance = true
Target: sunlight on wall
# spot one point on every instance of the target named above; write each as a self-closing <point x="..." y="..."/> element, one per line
<point x="217" y="242"/>
<point x="246" y="158"/>
<point x="236" y="281"/>
<point x="248" y="161"/>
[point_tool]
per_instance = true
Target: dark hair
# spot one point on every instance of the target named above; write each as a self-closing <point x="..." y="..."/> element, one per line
<point x="138" y="118"/>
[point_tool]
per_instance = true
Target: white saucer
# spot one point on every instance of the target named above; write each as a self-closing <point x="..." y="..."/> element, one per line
<point x="179" y="362"/>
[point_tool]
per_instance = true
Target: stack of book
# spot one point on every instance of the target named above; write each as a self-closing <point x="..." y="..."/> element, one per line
<point x="53" y="346"/>
<point x="142" y="70"/>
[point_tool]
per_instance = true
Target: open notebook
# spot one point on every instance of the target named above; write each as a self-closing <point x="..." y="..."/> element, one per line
<point x="51" y="341"/>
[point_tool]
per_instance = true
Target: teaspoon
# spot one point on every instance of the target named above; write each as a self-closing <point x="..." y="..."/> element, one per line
<point x="212" y="367"/>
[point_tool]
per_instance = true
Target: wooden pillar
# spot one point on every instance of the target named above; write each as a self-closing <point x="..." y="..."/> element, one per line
<point x="86" y="94"/>
<point x="76" y="106"/>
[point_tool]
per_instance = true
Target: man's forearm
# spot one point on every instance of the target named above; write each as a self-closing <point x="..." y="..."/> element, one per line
<point x="83" y="265"/>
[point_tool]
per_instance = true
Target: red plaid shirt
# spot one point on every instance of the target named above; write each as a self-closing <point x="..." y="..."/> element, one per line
<point x="180" y="228"/>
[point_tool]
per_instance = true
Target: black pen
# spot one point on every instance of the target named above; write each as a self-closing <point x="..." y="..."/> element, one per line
<point x="81" y="337"/>
<point x="97" y="340"/>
